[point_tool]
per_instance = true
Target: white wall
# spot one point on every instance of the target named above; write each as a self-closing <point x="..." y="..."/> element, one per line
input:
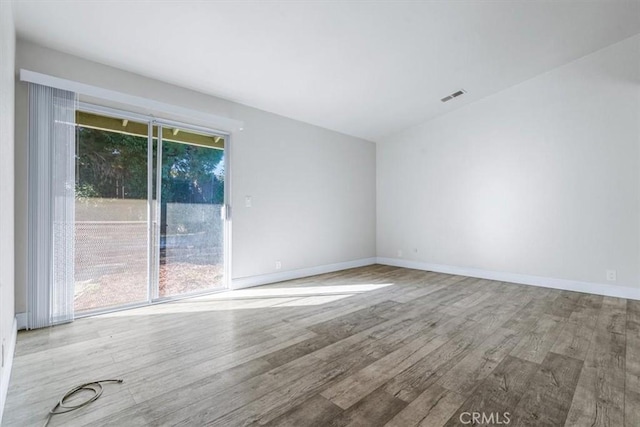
<point x="541" y="179"/>
<point x="7" y="325"/>
<point x="313" y="189"/>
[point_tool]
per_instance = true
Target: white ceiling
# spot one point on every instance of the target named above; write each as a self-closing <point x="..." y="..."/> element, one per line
<point x="363" y="68"/>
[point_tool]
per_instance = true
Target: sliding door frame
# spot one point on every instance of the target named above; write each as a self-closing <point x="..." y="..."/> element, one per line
<point x="153" y="210"/>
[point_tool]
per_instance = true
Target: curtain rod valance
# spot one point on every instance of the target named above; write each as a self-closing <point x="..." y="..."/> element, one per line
<point x="221" y="123"/>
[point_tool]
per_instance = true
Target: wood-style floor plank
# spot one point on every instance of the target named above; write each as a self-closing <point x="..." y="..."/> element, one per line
<point x="599" y="398"/>
<point x="375" y="409"/>
<point x="431" y="408"/>
<point x="464" y="377"/>
<point x="575" y="338"/>
<point x="316" y="411"/>
<point x="368" y="346"/>
<point x="536" y="343"/>
<point x="548" y="398"/>
<point x="499" y="393"/>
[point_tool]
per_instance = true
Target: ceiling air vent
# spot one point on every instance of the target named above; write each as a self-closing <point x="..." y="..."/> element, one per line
<point x="453" y="95"/>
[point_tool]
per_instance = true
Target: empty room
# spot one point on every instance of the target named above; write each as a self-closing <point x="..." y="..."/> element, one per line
<point x="320" y="213"/>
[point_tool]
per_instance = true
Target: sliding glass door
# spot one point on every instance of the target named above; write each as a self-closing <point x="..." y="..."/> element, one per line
<point x="111" y="221"/>
<point x="191" y="228"/>
<point x="149" y="198"/>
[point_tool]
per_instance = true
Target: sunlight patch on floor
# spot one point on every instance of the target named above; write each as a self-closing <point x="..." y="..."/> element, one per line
<point x="298" y="291"/>
<point x="255" y="298"/>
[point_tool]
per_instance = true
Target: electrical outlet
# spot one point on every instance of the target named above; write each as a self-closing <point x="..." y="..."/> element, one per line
<point x="248" y="202"/>
<point x="278" y="265"/>
<point x="611" y="275"/>
<point x="399" y="253"/>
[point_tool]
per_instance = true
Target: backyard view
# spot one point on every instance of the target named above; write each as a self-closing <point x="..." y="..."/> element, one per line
<point x="112" y="219"/>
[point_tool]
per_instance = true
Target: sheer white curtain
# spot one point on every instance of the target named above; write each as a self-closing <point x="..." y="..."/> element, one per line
<point x="50" y="281"/>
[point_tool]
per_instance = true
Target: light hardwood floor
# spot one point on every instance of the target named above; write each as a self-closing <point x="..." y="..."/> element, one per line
<point x="369" y="346"/>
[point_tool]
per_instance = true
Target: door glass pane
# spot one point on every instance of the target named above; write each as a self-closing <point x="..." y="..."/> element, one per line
<point x="191" y="229"/>
<point x="111" y="212"/>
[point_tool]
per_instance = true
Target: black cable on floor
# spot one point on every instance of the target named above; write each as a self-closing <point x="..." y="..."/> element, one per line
<point x="62" y="407"/>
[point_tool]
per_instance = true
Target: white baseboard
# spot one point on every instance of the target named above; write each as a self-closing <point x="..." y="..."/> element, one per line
<point x="523" y="279"/>
<point x="8" y="364"/>
<point x="263" y="279"/>
<point x="21" y="319"/>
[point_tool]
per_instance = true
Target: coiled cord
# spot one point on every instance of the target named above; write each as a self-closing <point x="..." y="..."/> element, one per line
<point x="62" y="407"/>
